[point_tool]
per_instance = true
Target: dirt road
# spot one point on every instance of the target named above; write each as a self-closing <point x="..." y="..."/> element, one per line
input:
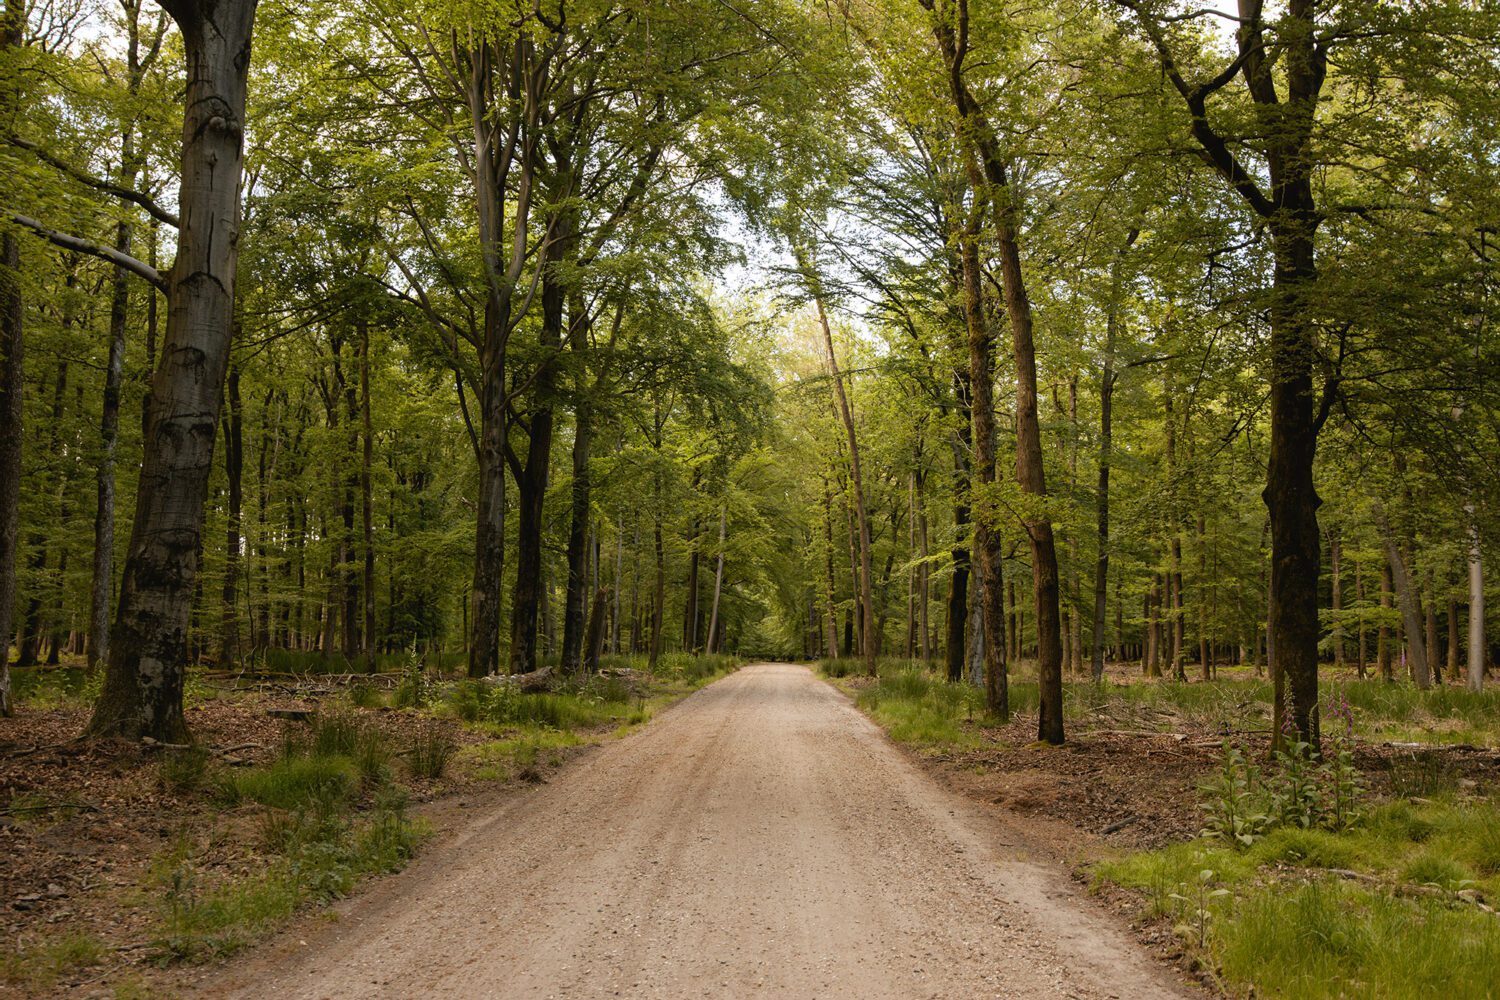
<point x="762" y="838"/>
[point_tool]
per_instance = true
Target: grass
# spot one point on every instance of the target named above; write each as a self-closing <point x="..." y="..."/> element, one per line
<point x="918" y="708"/>
<point x="1382" y="712"/>
<point x="1376" y="911"/>
<point x="429" y="756"/>
<point x="521" y="755"/>
<point x="1384" y="909"/>
<point x="1330" y="939"/>
<point x="317" y="845"/>
<point x="40" y="967"/>
<point x="293" y="782"/>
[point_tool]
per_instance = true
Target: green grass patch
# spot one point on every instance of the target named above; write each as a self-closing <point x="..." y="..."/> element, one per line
<point x="917" y="707"/>
<point x="519" y="756"/>
<point x="315" y="856"/>
<point x="1328" y="939"/>
<point x="54" y="687"/>
<point x="295" y="782"/>
<point x="40" y="967"/>
<point x="1295" y="924"/>
<point x="1292" y="845"/>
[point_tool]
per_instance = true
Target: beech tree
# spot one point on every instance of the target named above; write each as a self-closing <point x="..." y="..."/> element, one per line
<point x="142" y="694"/>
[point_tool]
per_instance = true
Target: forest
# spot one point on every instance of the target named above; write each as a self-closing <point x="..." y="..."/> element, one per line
<point x="1017" y="365"/>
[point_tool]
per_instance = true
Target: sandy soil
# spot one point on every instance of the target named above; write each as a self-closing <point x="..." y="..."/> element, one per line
<point x="761" y="838"/>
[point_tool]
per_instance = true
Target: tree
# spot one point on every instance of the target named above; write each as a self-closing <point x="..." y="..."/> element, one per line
<point x="142" y="694"/>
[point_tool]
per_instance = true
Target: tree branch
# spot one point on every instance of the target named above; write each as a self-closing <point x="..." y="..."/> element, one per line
<point x="98" y="183"/>
<point x="81" y="245"/>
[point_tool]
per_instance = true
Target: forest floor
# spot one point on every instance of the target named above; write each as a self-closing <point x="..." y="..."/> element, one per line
<point x="127" y="864"/>
<point x="1415" y="870"/>
<point x="760" y="838"/>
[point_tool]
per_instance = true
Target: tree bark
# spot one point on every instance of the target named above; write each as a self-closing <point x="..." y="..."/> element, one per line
<point x="234" y="464"/>
<point x="867" y="624"/>
<point x="1361" y="642"/>
<point x="1476" y="647"/>
<point x="367" y="500"/>
<point x="594" y="640"/>
<point x="830" y="580"/>
<point x="713" y="618"/>
<point x="142" y="693"/>
<point x="1383" y="633"/>
<point x="532" y="484"/>
<point x="1429" y="618"/>
<point x="986" y="550"/>
<point x="583" y="428"/>
<point x="1406" y="597"/>
<point x="924" y="589"/>
<point x="12" y="434"/>
<point x="1107" y="379"/>
<point x="975" y="130"/>
<point x="958" y="588"/>
<point x="1336" y="567"/>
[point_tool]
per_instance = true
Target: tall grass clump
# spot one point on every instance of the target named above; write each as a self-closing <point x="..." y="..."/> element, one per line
<point x="917" y="707"/>
<point x="431" y="752"/>
<point x="292" y="783"/>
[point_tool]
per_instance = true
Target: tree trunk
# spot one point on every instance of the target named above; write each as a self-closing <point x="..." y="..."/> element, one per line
<point x="1336" y="567"/>
<point x="12" y="387"/>
<point x="367" y="501"/>
<point x="986" y="551"/>
<point x="958" y="587"/>
<point x="690" y="602"/>
<point x="1429" y="617"/>
<point x="1361" y="643"/>
<point x="658" y="597"/>
<point x="234" y="464"/>
<point x="911" y="572"/>
<point x="713" y="618"/>
<point x="1107" y="378"/>
<point x="532" y="487"/>
<point x="142" y="694"/>
<point x="1383" y="633"/>
<point x="1476" y="647"/>
<point x="831" y="582"/>
<point x="866" y="608"/>
<point x="1406" y="597"/>
<point x="594" y="641"/>
<point x="102" y="587"/>
<point x="489" y="537"/>
<point x="924" y="574"/>
<point x="583" y="427"/>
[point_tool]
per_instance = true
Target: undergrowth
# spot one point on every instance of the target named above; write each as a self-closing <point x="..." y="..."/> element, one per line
<point x="1302" y="887"/>
<point x="330" y="815"/>
<point x="39" y="967"/>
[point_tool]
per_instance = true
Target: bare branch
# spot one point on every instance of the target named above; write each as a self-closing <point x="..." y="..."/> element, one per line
<point x="80" y="245"/>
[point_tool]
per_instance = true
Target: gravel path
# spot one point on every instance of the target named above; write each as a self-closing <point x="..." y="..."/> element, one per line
<point x="761" y="838"/>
